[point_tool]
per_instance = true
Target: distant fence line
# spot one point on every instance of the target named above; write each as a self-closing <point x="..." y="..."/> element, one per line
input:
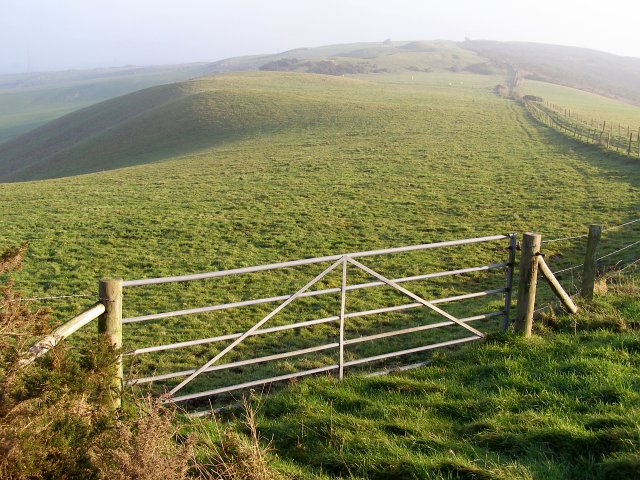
<point x="610" y="135"/>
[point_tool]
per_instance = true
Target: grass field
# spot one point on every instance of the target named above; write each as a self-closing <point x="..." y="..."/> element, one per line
<point x="258" y="167"/>
<point x="563" y="405"/>
<point x="265" y="167"/>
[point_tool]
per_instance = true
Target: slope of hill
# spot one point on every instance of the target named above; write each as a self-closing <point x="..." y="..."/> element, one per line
<point x="587" y="105"/>
<point x="361" y="165"/>
<point x="31" y="99"/>
<point x="163" y="121"/>
<point x="589" y="70"/>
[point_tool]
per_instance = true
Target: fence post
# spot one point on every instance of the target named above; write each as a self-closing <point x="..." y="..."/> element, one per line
<point x="110" y="324"/>
<point x="589" y="269"/>
<point x="527" y="282"/>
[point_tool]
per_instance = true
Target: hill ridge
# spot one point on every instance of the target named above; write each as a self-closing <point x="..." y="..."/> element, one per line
<point x="163" y="121"/>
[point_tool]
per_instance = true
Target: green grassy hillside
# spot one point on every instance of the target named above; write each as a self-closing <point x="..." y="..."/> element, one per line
<point x="435" y="140"/>
<point x="308" y="166"/>
<point x="30" y="100"/>
<point x="159" y="123"/>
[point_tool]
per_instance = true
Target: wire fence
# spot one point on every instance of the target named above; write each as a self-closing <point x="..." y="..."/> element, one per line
<point x="635" y="263"/>
<point x="615" y="227"/>
<point x="621" y="265"/>
<point x="621" y="139"/>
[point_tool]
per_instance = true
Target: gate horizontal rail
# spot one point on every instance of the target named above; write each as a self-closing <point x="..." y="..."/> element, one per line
<point x="308" y="323"/>
<point x="258" y="301"/>
<point x="307" y="261"/>
<point x="294" y="353"/>
<point x="315" y="371"/>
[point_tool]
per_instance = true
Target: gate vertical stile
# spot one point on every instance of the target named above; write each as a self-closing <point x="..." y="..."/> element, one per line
<point x="509" y="286"/>
<point x="343" y="292"/>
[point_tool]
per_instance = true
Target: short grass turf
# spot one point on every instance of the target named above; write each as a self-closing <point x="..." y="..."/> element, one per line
<point x="562" y="405"/>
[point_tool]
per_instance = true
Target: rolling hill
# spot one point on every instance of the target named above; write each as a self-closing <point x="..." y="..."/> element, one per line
<point x="161" y="122"/>
<point x="206" y="166"/>
<point x="363" y="58"/>
<point x="30" y="100"/>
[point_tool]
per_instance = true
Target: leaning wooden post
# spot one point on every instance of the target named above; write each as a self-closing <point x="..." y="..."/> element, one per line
<point x="555" y="286"/>
<point x="527" y="282"/>
<point x="589" y="269"/>
<point x="110" y="324"/>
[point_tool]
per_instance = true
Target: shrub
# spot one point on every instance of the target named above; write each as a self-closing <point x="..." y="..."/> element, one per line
<point x="236" y="456"/>
<point x="481" y="68"/>
<point x="282" y="65"/>
<point x="55" y="421"/>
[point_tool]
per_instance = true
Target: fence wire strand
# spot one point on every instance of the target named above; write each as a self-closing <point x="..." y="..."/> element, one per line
<point x="635" y="262"/>
<point x="586" y="235"/>
<point x="620" y="226"/>
<point x="57" y="297"/>
<point x="568" y="269"/>
<point x="619" y="250"/>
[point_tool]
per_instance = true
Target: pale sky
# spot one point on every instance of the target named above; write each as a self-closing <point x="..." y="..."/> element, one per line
<point x="44" y="35"/>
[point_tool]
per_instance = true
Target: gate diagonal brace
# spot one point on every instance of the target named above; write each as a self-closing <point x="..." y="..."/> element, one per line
<point x="421" y="300"/>
<point x="254" y="328"/>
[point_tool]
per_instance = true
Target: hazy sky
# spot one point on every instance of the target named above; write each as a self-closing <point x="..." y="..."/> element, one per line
<point x="40" y="35"/>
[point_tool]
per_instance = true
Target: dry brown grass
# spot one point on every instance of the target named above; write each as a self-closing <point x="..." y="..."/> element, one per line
<point x="146" y="448"/>
<point x="53" y="418"/>
<point x="236" y="456"/>
<point x="600" y="286"/>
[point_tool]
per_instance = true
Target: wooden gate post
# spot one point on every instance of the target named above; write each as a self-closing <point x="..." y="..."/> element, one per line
<point x="527" y="282"/>
<point x="589" y="269"/>
<point x="110" y="324"/>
